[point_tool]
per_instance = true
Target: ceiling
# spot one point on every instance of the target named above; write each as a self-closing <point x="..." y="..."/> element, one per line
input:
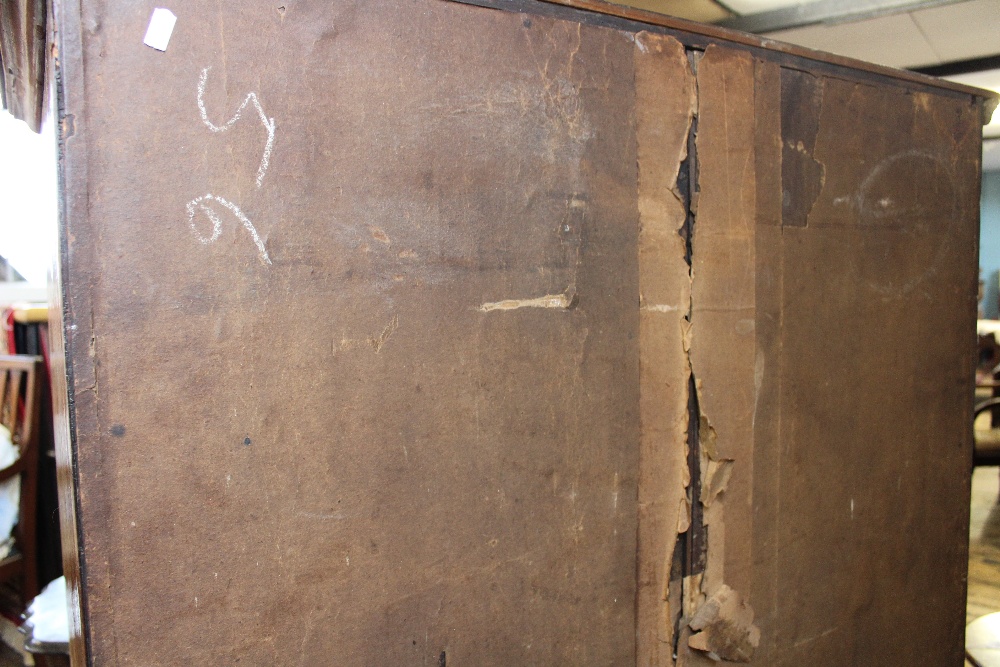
<point x="909" y="39"/>
<point x="958" y="40"/>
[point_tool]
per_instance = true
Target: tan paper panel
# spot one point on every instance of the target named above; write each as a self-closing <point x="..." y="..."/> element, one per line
<point x="665" y="96"/>
<point x="769" y="283"/>
<point x="723" y="347"/>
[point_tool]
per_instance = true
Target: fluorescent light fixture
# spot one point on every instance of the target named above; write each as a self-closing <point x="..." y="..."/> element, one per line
<point x="744" y="7"/>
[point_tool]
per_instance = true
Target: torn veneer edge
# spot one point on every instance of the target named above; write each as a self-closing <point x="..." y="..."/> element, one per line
<point x="989" y="106"/>
<point x="716" y="471"/>
<point x="665" y="84"/>
<point x="724" y="629"/>
<point x="683" y="477"/>
<point x="716" y="622"/>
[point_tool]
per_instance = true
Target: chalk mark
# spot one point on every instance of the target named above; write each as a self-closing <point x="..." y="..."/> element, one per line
<point x="268" y="123"/>
<point x="199" y="204"/>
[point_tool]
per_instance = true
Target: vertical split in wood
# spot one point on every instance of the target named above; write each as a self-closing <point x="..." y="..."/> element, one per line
<point x="665" y="94"/>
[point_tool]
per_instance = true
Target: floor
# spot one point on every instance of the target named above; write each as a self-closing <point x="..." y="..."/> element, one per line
<point x="984" y="545"/>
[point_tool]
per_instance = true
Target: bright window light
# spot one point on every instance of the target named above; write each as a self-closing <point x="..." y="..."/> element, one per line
<point x="28" y="198"/>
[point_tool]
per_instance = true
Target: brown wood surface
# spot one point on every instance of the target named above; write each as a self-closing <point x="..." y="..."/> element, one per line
<point x="717" y="33"/>
<point x="66" y="482"/>
<point x="886" y="255"/>
<point x="413" y="386"/>
<point x="342" y="433"/>
<point x="699" y="35"/>
<point x="723" y="348"/>
<point x="22" y="57"/>
<point x="70" y="324"/>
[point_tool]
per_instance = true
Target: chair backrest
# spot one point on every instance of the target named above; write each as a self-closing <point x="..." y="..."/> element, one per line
<point x="20" y="410"/>
<point x="20" y="393"/>
<point x="989" y="352"/>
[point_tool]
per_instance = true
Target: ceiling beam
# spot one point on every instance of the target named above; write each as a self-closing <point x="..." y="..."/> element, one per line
<point x="957" y="67"/>
<point x="825" y="11"/>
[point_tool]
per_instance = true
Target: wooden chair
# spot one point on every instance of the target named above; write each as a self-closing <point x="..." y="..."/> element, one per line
<point x="989" y="357"/>
<point x="986" y="449"/>
<point x="20" y="394"/>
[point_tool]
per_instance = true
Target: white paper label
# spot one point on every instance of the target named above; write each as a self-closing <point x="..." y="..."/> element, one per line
<point x="161" y="26"/>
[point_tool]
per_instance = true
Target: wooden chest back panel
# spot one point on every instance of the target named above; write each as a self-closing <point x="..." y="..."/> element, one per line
<point x="382" y="320"/>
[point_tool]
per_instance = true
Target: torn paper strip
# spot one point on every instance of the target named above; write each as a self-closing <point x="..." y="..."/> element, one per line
<point x="724" y="627"/>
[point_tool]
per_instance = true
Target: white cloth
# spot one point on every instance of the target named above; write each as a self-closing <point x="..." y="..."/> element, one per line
<point x="48" y="614"/>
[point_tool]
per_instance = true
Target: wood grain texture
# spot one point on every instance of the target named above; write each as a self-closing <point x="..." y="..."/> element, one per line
<point x="376" y="326"/>
<point x="23" y="56"/>
<point x="715" y="33"/>
<point x="65" y="473"/>
<point x="71" y="323"/>
<point x="347" y="437"/>
<point x="722" y="337"/>
<point x="769" y="289"/>
<point x="887" y="254"/>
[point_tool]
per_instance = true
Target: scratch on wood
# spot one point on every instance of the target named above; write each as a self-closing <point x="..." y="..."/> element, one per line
<point x="374" y="342"/>
<point x="383" y="337"/>
<point x="337" y="516"/>
<point x="809" y="640"/>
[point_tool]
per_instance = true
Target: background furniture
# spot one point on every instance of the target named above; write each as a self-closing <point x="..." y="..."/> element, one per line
<point x="20" y="394"/>
<point x="26" y="327"/>
<point x="987" y="441"/>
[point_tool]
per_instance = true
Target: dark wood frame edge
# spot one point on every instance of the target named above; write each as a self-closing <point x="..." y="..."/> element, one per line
<point x="699" y="35"/>
<point x="747" y="39"/>
<point x="66" y="55"/>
